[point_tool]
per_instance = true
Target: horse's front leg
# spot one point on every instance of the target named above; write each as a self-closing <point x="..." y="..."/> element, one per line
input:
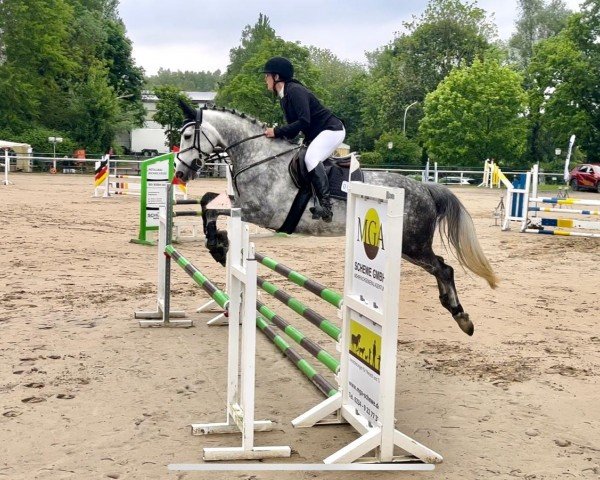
<point x="216" y="241"/>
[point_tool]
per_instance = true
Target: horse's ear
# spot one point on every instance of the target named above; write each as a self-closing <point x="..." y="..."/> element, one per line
<point x="188" y="111"/>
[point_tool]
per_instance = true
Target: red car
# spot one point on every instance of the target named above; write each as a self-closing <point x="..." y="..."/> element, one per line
<point x="585" y="177"/>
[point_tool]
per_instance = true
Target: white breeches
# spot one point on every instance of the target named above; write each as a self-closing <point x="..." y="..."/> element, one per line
<point x="322" y="146"/>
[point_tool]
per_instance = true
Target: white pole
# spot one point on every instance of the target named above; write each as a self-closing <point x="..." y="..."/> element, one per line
<point x="566" y="173"/>
<point x="6" y="166"/>
<point x="107" y="181"/>
<point x="405" y="112"/>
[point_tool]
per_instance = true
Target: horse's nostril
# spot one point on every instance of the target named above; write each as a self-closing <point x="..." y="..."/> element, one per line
<point x="179" y="174"/>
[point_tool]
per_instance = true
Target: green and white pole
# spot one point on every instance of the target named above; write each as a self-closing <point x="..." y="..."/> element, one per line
<point x="301" y="309"/>
<point x="297" y="336"/>
<point x="330" y="296"/>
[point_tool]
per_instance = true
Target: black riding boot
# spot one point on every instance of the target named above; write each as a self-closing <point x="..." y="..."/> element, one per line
<point x="319" y="181"/>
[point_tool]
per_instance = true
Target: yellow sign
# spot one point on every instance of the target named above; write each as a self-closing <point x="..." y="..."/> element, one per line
<point x="365" y="346"/>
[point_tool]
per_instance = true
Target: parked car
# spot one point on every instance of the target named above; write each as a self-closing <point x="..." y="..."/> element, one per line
<point x="585" y="177"/>
<point x="456" y="181"/>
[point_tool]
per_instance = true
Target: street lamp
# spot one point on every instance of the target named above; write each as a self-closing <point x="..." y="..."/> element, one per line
<point x="405" y="112"/>
<point x="54" y="141"/>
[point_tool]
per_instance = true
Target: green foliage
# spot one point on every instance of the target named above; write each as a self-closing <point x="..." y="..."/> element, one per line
<point x="538" y="21"/>
<point x="67" y="67"/>
<point x="449" y="34"/>
<point x="37" y="137"/>
<point x="252" y="37"/>
<point x="474" y="114"/>
<point x="247" y="90"/>
<point x="566" y="85"/>
<point x="94" y="108"/>
<point x="403" y="151"/>
<point x="342" y="84"/>
<point x="187" y="81"/>
<point x="168" y="113"/>
<point x="18" y="99"/>
<point x="370" y="159"/>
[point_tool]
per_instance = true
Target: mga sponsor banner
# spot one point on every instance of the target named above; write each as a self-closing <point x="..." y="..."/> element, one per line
<point x="363" y="366"/>
<point x="369" y="250"/>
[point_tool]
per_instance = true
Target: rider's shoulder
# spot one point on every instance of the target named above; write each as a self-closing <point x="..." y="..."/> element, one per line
<point x="295" y="87"/>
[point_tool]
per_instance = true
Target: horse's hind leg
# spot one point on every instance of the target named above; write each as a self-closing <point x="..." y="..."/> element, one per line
<point x="444" y="274"/>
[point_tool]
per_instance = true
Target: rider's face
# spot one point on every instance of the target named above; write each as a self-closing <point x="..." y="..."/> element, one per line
<point x="270" y="81"/>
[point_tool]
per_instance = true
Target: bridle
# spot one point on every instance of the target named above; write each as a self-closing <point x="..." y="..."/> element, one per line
<point x="197" y="163"/>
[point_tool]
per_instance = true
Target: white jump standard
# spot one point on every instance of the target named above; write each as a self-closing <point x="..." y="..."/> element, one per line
<point x="241" y="356"/>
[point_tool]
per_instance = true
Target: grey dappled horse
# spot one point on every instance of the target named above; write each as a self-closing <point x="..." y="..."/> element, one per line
<point x="265" y="191"/>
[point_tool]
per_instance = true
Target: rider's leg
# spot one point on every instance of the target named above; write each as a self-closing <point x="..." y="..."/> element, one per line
<point x="319" y="149"/>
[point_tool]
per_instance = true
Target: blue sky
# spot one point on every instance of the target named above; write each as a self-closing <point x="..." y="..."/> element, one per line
<point x="197" y="34"/>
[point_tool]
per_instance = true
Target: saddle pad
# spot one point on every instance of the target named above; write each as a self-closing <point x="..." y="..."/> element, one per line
<point x="338" y="179"/>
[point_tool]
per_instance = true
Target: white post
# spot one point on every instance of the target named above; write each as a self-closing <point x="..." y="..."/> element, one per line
<point x="163" y="314"/>
<point x="6" y="166"/>
<point x="528" y="187"/>
<point x="568" y="159"/>
<point x="107" y="181"/>
<point x="486" y="174"/>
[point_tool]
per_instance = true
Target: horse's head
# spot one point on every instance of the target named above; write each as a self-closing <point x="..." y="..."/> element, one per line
<point x="199" y="140"/>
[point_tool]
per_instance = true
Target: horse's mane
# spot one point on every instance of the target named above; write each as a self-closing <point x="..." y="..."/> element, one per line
<point x="237" y="113"/>
<point x="244" y="116"/>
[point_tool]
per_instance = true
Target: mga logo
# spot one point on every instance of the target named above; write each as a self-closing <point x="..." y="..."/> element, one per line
<point x="370" y="233"/>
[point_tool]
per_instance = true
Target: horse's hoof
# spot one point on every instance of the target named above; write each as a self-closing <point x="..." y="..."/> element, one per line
<point x="464" y="323"/>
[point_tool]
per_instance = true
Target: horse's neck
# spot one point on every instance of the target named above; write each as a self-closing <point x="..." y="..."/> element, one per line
<point x="234" y="129"/>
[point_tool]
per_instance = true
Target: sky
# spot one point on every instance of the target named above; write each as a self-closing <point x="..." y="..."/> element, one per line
<point x="197" y="35"/>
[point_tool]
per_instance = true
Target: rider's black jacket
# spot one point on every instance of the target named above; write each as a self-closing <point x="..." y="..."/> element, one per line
<point x="304" y="113"/>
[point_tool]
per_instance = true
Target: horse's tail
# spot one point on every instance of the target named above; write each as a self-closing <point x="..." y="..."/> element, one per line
<point x="456" y="225"/>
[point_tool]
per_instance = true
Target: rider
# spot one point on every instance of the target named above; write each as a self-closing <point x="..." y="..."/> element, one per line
<point x="323" y="131"/>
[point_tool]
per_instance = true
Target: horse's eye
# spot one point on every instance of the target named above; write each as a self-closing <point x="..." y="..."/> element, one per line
<point x="187" y="136"/>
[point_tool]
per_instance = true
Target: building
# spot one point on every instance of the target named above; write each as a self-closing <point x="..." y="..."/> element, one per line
<point x="150" y="140"/>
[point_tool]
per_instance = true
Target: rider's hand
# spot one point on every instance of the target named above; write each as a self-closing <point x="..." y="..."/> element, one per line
<point x="270" y="133"/>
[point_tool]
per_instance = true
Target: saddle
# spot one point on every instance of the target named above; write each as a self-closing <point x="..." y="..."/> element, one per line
<point x="338" y="174"/>
<point x="337" y="169"/>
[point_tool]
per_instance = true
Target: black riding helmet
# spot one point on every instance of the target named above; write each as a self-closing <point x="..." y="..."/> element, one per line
<point x="281" y="66"/>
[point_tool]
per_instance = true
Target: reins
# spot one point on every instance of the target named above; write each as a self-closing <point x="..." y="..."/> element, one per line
<point x="260" y="162"/>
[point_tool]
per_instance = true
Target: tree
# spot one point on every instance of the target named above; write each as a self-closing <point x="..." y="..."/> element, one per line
<point x="40" y="61"/>
<point x="168" y="113"/>
<point x="247" y="92"/>
<point x="342" y="83"/>
<point x="474" y="114"/>
<point x="565" y="93"/>
<point x="65" y="63"/>
<point x="186" y="81"/>
<point x="252" y="37"/>
<point x="393" y="148"/>
<point x="538" y="21"/>
<point x="448" y="35"/>
<point x="94" y="108"/>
